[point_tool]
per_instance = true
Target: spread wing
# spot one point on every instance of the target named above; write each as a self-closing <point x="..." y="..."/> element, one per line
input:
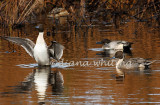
<point x="56" y="50"/>
<point x="27" y="44"/>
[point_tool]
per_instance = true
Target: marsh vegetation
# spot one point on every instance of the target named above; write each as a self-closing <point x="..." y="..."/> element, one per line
<point x="15" y="13"/>
<point x="88" y="76"/>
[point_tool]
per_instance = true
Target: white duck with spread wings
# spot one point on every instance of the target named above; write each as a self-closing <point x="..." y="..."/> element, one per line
<point x="39" y="51"/>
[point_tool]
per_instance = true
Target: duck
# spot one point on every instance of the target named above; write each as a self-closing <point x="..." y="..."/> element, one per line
<point x="42" y="53"/>
<point x="58" y="12"/>
<point x="115" y="44"/>
<point x="131" y="63"/>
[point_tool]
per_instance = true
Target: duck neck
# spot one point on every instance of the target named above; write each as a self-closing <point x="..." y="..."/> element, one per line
<point x="119" y="63"/>
<point x="120" y="72"/>
<point x="40" y="39"/>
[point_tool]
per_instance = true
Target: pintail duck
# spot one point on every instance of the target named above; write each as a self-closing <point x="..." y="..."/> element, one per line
<point x="115" y="45"/>
<point x="132" y="63"/>
<point x="39" y="51"/>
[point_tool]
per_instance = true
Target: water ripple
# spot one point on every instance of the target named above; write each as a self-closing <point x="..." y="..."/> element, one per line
<point x="96" y="49"/>
<point x="56" y="65"/>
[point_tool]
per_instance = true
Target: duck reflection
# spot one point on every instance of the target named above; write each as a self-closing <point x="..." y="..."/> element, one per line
<point x="121" y="74"/>
<point x="56" y="81"/>
<point x="41" y="78"/>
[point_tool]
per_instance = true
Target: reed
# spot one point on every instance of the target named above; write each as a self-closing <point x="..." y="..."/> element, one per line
<point x="15" y="12"/>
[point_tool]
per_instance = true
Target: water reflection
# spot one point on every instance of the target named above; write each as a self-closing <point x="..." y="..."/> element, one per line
<point x="56" y="81"/>
<point x="121" y="73"/>
<point x="111" y="53"/>
<point x="44" y="77"/>
<point x="40" y="79"/>
<point x="41" y="76"/>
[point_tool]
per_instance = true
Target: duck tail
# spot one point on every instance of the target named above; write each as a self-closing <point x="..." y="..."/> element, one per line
<point x="149" y="63"/>
<point x="153" y="61"/>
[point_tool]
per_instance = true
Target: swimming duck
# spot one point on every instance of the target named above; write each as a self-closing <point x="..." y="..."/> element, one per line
<point x="132" y="63"/>
<point x="115" y="45"/>
<point x="39" y="51"/>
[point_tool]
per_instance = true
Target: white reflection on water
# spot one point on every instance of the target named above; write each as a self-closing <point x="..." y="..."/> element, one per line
<point x="96" y="49"/>
<point x="57" y="65"/>
<point x="154" y="94"/>
<point x="146" y="102"/>
<point x="41" y="82"/>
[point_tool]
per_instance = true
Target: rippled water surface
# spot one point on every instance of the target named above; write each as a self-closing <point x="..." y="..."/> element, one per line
<point x="22" y="82"/>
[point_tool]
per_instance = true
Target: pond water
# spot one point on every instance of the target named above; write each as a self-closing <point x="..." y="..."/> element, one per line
<point x="24" y="83"/>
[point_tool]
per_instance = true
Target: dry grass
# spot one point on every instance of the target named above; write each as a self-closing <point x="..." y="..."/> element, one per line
<point x="18" y="11"/>
<point x="14" y="12"/>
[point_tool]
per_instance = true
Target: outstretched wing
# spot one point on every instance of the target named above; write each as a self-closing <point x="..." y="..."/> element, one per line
<point x="56" y="50"/>
<point x="27" y="44"/>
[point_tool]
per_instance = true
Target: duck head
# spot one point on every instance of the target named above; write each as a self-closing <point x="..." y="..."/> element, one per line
<point x="40" y="27"/>
<point x="119" y="55"/>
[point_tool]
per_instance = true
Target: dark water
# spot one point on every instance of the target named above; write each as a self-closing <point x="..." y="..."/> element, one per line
<point x="23" y="83"/>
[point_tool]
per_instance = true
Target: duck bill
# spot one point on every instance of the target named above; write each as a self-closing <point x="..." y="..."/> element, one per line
<point x="37" y="27"/>
<point x="113" y="58"/>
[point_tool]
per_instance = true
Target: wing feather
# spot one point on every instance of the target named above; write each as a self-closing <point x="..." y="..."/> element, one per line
<point x="56" y="50"/>
<point x="26" y="43"/>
